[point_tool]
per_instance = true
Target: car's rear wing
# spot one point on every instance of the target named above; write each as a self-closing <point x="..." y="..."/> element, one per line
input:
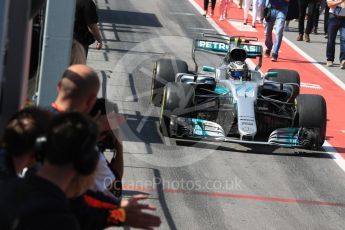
<point x="245" y="39"/>
<point x="253" y="51"/>
<point x="221" y="45"/>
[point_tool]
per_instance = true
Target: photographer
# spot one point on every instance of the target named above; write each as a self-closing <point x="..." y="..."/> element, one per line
<point x="111" y="138"/>
<point x="77" y="91"/>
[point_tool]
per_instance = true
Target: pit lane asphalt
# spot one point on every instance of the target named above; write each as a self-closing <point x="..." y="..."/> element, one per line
<point x="204" y="186"/>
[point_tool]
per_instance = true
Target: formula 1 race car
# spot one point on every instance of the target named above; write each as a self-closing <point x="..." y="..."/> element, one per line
<point x="234" y="102"/>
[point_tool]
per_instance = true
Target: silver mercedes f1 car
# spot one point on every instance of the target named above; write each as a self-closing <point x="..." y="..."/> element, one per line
<point x="233" y="102"/>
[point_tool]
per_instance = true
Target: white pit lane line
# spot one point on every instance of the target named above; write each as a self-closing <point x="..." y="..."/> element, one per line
<point x="329" y="149"/>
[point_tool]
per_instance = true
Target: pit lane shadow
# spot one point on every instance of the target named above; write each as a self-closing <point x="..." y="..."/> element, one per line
<point x="130" y="193"/>
<point x="157" y="177"/>
<point x="141" y="128"/>
<point x="291" y="60"/>
<point x="128" y="18"/>
<point x="256" y="149"/>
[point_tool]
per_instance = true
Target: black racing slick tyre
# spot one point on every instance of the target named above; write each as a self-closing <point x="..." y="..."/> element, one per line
<point x="312" y="113"/>
<point x="287" y="76"/>
<point x="164" y="71"/>
<point x="177" y="98"/>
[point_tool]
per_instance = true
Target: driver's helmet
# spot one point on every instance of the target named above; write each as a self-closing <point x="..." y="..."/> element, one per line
<point x="237" y="70"/>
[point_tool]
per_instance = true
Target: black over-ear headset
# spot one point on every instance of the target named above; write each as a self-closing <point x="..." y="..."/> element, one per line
<point x="85" y="161"/>
<point x="84" y="156"/>
<point x="40" y="146"/>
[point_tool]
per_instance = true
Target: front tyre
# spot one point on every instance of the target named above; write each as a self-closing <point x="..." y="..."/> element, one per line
<point x="164" y="71"/>
<point x="177" y="98"/>
<point x="312" y="113"/>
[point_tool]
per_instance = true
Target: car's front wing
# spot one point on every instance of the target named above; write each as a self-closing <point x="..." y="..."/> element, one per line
<point x="183" y="127"/>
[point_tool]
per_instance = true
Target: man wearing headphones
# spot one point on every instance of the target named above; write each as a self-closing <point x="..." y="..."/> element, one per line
<point x="18" y="141"/>
<point x="39" y="201"/>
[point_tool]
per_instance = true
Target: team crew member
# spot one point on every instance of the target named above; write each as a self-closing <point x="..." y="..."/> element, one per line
<point x="336" y="21"/>
<point x="39" y="201"/>
<point x="95" y="212"/>
<point x="18" y="142"/>
<point x="86" y="30"/>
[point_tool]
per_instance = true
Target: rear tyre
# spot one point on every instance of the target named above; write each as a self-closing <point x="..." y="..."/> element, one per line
<point x="312" y="113"/>
<point x="287" y="76"/>
<point x="177" y="98"/>
<point x="164" y="71"/>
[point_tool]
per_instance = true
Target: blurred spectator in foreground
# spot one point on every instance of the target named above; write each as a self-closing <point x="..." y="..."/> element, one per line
<point x="86" y="30"/>
<point x="96" y="212"/>
<point x="336" y="22"/>
<point x="77" y="91"/>
<point x="278" y="14"/>
<point x="17" y="145"/>
<point x="39" y="201"/>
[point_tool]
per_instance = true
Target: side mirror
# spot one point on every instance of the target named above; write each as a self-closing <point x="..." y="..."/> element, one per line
<point x="209" y="69"/>
<point x="271" y="74"/>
